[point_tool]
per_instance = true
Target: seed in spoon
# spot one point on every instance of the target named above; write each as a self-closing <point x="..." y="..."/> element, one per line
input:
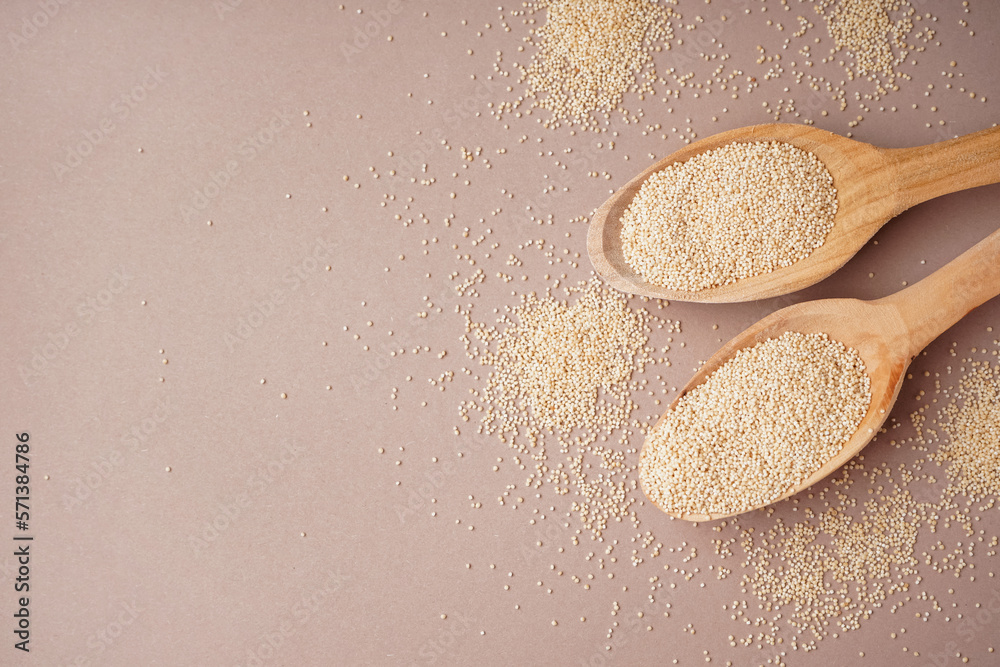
<point x="762" y="423"/>
<point x="737" y="211"/>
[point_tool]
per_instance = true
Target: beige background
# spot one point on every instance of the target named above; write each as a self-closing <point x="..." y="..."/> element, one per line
<point x="107" y="260"/>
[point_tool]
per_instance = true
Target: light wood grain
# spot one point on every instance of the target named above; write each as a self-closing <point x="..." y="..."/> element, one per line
<point x="873" y="186"/>
<point x="888" y="333"/>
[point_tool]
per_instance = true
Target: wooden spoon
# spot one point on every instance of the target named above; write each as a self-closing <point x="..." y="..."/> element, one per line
<point x="873" y="185"/>
<point x="888" y="333"/>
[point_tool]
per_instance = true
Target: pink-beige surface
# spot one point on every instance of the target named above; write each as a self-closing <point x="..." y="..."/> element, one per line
<point x="205" y="202"/>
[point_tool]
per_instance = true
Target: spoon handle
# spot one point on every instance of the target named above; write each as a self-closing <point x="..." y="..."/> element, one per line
<point x="931" y="306"/>
<point x="926" y="172"/>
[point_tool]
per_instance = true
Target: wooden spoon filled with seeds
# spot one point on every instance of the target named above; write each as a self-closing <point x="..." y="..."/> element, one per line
<point x="766" y="210"/>
<point x="795" y="396"/>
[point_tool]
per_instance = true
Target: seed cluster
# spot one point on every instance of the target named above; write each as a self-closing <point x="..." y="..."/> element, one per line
<point x="737" y="211"/>
<point x="564" y="369"/>
<point x="564" y="365"/>
<point x="840" y="565"/>
<point x="761" y="423"/>
<point x="972" y="422"/>
<point x="865" y="30"/>
<point x="590" y="52"/>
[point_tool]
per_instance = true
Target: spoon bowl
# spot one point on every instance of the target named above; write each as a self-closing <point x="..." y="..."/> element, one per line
<point x="873" y="186"/>
<point x="887" y="333"/>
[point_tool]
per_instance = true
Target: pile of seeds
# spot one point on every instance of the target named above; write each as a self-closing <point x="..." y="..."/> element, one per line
<point x="873" y="40"/>
<point x="972" y="422"/>
<point x="835" y="567"/>
<point x="591" y="52"/>
<point x="737" y="211"/>
<point x="562" y="365"/>
<point x="865" y="30"/>
<point x="761" y="423"/>
<point x="564" y="369"/>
